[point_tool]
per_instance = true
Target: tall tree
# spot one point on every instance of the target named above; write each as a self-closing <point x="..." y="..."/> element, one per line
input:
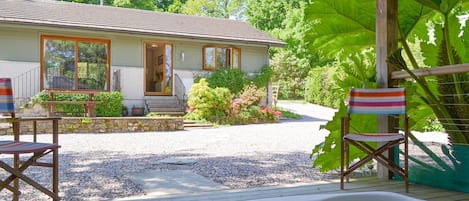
<point x="139" y="4"/>
<point x="106" y="2"/>
<point x="214" y="8"/>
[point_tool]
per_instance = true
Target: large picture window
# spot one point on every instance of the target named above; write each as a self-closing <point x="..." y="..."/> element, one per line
<point x="221" y="57"/>
<point x="74" y="63"/>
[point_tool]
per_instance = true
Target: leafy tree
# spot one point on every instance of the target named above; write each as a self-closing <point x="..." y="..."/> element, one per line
<point x="214" y="8"/>
<point x="266" y="14"/>
<point x="139" y="4"/>
<point x="176" y="6"/>
<point x="106" y="2"/>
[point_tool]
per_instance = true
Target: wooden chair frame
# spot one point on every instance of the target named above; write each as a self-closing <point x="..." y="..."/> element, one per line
<point x="378" y="154"/>
<point x="35" y="149"/>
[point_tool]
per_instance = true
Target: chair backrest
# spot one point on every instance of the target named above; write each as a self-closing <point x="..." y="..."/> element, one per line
<point x="6" y="96"/>
<point x="377" y="101"/>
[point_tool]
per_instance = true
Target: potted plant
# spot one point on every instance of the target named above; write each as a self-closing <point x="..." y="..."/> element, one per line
<point x="125" y="111"/>
<point x="138" y="110"/>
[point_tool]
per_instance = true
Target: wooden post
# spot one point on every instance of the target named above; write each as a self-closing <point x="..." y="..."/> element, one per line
<point x="386" y="42"/>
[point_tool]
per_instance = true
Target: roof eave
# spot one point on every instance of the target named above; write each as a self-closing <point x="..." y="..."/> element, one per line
<point x="272" y="43"/>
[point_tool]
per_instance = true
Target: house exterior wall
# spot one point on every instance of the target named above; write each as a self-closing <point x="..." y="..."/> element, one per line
<point x="20" y="53"/>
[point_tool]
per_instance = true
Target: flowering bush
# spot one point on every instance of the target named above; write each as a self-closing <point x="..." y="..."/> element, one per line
<point x="209" y="104"/>
<point x="270" y="114"/>
<point x="216" y="105"/>
<point x="250" y="96"/>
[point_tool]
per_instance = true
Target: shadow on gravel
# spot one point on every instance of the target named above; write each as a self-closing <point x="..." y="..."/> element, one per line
<point x="102" y="175"/>
<point x="261" y="169"/>
<point x="94" y="175"/>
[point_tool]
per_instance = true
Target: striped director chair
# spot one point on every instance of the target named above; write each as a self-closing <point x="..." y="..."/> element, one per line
<point x="34" y="150"/>
<point x="386" y="101"/>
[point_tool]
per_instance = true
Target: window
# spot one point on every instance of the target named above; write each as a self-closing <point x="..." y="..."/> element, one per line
<point x="221" y="57"/>
<point x="74" y="63"/>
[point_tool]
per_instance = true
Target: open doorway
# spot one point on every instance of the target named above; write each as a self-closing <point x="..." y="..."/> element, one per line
<point x="158" y="68"/>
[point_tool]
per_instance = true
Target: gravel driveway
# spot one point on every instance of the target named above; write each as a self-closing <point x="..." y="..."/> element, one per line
<point x="94" y="166"/>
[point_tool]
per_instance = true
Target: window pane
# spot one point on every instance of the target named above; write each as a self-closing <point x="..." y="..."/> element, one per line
<point x="59" y="64"/>
<point x="168" y="66"/>
<point x="222" y="58"/>
<point x="235" y="62"/>
<point x="92" y="66"/>
<point x="209" y="58"/>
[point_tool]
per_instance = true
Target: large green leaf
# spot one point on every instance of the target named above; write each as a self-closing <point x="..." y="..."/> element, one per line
<point x="341" y="25"/>
<point x="410" y="14"/>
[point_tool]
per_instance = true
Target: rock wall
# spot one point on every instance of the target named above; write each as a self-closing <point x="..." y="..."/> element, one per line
<point x="100" y="125"/>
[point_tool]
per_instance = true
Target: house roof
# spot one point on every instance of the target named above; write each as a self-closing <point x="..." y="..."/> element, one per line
<point x="133" y="21"/>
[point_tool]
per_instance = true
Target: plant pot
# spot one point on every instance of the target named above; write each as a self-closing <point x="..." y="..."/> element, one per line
<point x="125" y="112"/>
<point x="138" y="111"/>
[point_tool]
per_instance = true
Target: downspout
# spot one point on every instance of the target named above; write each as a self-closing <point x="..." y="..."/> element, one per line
<point x="269" y="85"/>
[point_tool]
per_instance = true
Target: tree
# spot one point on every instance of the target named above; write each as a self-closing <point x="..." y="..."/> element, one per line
<point x="106" y="2"/>
<point x="139" y="4"/>
<point x="291" y="63"/>
<point x="214" y="8"/>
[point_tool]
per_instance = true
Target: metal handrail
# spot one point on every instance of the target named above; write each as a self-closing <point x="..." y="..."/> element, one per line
<point x="26" y="85"/>
<point x="180" y="90"/>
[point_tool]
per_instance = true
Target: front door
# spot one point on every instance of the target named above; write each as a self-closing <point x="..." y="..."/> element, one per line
<point x="158" y="68"/>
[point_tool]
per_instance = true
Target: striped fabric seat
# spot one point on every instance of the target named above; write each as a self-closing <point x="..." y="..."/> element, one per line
<point x="377" y="101"/>
<point x="6" y="96"/>
<point x="14" y="147"/>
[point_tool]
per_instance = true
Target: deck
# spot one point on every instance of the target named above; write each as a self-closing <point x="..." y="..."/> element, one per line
<point x="360" y="185"/>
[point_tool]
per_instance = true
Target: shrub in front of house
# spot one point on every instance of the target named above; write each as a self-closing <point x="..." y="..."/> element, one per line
<point x="244" y="109"/>
<point x="234" y="79"/>
<point x="205" y="103"/>
<point x="110" y="104"/>
<point x="66" y="109"/>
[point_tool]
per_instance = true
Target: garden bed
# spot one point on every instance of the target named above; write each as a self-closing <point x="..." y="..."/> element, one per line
<point x="104" y="125"/>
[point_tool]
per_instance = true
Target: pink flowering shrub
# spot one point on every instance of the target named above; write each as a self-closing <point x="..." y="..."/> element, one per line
<point x="216" y="105"/>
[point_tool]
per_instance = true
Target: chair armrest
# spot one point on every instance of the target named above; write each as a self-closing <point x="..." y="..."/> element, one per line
<point x="16" y="126"/>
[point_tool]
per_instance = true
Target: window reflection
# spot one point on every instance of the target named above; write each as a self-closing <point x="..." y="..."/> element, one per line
<point x="62" y="69"/>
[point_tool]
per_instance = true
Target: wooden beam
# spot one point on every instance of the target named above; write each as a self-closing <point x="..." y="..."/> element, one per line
<point x="440" y="70"/>
<point x="386" y="42"/>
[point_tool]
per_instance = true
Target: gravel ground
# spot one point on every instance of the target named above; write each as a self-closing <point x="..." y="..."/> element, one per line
<point x="94" y="166"/>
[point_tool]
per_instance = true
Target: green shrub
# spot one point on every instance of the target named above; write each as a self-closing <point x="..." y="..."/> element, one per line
<point x="320" y="87"/>
<point x="263" y="78"/>
<point x="110" y="104"/>
<point x="205" y="103"/>
<point x="232" y="79"/>
<point x="69" y="110"/>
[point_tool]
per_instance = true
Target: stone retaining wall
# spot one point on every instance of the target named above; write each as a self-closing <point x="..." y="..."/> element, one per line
<point x="101" y="125"/>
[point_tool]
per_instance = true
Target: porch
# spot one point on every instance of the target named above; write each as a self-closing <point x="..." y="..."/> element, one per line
<point x="323" y="187"/>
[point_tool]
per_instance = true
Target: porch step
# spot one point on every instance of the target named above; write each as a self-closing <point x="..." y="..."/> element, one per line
<point x="165" y="105"/>
<point x="196" y="124"/>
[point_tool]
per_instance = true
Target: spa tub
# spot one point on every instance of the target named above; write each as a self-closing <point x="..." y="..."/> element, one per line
<point x="361" y="196"/>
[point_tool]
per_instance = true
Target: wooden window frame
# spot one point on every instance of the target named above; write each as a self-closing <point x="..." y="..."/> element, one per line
<point x="76" y="40"/>
<point x="229" y="57"/>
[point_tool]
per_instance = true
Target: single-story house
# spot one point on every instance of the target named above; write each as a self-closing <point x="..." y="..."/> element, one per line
<point x="144" y="54"/>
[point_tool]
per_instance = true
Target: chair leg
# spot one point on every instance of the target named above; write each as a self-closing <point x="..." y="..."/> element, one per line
<point x="16" y="184"/>
<point x="406" y="165"/>
<point x="55" y="173"/>
<point x="347" y="161"/>
<point x="342" y="146"/>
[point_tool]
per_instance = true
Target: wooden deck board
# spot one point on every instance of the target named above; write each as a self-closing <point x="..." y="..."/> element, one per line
<point x="356" y="185"/>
